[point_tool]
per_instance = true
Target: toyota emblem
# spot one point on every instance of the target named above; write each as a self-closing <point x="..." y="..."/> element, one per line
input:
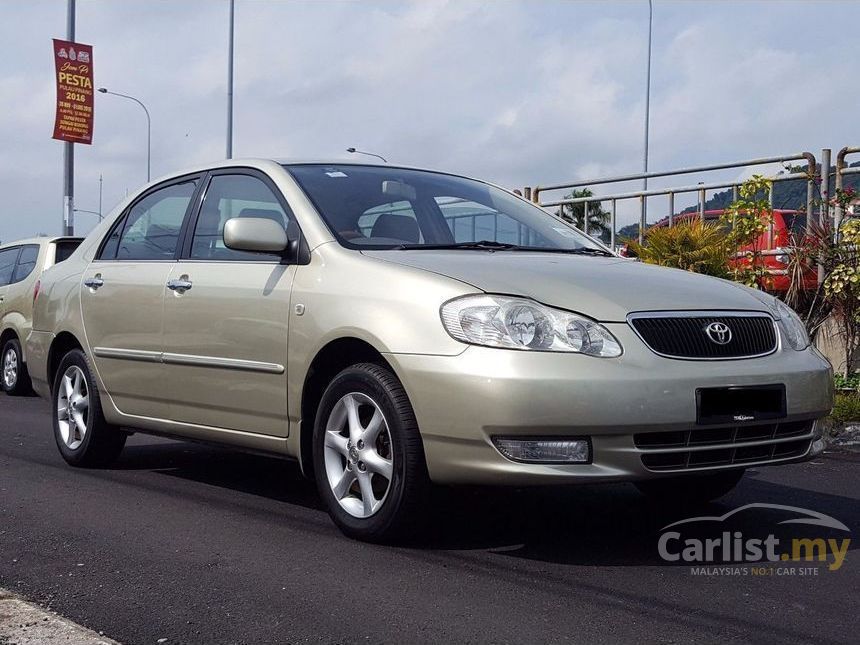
<point x="719" y="333"/>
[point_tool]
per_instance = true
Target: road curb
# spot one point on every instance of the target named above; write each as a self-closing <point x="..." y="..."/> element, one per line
<point x="25" y="623"/>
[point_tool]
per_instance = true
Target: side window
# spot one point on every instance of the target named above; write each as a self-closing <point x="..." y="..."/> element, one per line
<point x="230" y="196"/>
<point x="26" y="262"/>
<point x="472" y="222"/>
<point x="151" y="228"/>
<point x="7" y="264"/>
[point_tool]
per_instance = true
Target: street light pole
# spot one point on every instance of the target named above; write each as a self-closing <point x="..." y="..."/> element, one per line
<point x="230" y="84"/>
<point x="84" y="210"/>
<point x="68" y="147"/>
<point x="647" y="125"/>
<point x="104" y="90"/>
<point x="370" y="154"/>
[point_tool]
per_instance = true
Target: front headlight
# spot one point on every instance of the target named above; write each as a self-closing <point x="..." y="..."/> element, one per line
<point x="791" y="325"/>
<point x="519" y="323"/>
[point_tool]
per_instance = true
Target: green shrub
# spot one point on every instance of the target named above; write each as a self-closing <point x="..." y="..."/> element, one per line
<point x="851" y="381"/>
<point x="690" y="245"/>
<point x="846" y="408"/>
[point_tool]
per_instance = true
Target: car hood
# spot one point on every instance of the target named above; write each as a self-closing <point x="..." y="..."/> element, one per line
<point x="603" y="288"/>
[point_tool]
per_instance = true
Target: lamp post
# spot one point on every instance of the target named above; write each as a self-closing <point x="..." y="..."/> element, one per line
<point x="83" y="210"/>
<point x="69" y="147"/>
<point x="230" y="81"/>
<point x="104" y="90"/>
<point x="370" y="154"/>
<point x="647" y="124"/>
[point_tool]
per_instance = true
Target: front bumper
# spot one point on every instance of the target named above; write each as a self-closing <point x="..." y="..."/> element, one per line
<point x="462" y="401"/>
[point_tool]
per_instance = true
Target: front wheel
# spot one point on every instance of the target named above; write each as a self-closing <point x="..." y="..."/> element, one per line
<point x="82" y="434"/>
<point x="368" y="455"/>
<point x="691" y="489"/>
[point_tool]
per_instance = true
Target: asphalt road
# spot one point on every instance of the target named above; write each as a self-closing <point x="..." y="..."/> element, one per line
<point x="200" y="545"/>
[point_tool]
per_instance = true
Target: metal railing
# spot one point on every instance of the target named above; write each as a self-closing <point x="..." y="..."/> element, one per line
<point x="535" y="193"/>
<point x="841" y="170"/>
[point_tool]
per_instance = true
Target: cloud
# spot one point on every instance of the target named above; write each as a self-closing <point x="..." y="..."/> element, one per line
<point x="519" y="93"/>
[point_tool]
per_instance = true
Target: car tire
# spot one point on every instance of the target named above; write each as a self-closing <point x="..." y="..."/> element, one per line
<point x="14" y="378"/>
<point x="691" y="489"/>
<point x="83" y="436"/>
<point x="368" y="455"/>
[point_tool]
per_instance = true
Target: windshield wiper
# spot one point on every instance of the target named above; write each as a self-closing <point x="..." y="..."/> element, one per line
<point x="488" y="245"/>
<point x="585" y="250"/>
<point x="590" y="250"/>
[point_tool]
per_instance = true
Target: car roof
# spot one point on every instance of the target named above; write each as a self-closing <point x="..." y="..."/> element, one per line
<point x="262" y="163"/>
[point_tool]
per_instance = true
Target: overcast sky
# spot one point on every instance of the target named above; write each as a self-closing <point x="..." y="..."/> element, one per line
<point x="519" y="93"/>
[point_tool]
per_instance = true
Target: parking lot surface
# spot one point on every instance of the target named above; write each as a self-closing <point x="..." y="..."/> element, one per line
<point x="197" y="544"/>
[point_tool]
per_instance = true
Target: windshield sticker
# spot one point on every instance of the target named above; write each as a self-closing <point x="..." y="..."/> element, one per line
<point x="335" y="173"/>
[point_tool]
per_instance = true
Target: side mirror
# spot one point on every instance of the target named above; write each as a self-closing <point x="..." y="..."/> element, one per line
<point x="255" y="234"/>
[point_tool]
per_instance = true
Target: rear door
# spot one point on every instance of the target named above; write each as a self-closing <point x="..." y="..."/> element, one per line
<point x="123" y="292"/>
<point x="18" y="301"/>
<point x="8" y="259"/>
<point x="225" y="331"/>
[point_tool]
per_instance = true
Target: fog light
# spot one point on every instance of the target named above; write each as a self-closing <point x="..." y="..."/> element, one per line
<point x="545" y="451"/>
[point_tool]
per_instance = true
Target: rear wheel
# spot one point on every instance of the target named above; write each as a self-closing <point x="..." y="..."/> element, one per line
<point x="82" y="434"/>
<point x="368" y="455"/>
<point x="691" y="489"/>
<point x="15" y="379"/>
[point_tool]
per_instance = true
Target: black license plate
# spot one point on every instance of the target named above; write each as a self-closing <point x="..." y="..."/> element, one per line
<point x="743" y="404"/>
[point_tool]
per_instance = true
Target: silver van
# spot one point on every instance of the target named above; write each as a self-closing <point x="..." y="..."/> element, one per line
<point x="21" y="264"/>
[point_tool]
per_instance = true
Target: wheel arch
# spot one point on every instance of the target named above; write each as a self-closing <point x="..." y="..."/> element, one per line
<point x="14" y="326"/>
<point x="63" y="343"/>
<point x="331" y="359"/>
<point x="8" y="334"/>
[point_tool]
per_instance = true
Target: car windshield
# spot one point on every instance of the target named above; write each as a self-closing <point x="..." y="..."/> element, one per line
<point x="376" y="207"/>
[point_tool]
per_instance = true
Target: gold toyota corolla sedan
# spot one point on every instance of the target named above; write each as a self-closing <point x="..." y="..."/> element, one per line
<point x="391" y="327"/>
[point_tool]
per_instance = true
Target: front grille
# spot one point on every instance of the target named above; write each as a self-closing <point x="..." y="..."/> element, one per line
<point x="685" y="336"/>
<point x="708" y="447"/>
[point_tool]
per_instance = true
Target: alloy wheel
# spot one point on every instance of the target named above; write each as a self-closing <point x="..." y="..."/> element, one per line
<point x="10" y="368"/>
<point x="73" y="405"/>
<point x="358" y="455"/>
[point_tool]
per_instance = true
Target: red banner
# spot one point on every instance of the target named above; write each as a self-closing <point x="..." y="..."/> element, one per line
<point x="75" y="104"/>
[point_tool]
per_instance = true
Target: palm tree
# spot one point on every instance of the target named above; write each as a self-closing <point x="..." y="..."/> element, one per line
<point x="598" y="219"/>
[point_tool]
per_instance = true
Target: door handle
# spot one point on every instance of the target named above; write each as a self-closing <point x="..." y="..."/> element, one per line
<point x="180" y="286"/>
<point x="94" y="283"/>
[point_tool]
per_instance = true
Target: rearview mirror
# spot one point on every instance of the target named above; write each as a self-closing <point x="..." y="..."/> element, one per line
<point x="255" y="234"/>
<point x="400" y="189"/>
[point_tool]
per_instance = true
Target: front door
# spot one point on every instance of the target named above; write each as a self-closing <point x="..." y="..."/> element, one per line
<point x="122" y="297"/>
<point x="225" y="317"/>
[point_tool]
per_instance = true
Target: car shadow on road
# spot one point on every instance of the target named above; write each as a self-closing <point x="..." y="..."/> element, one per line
<point x="269" y="477"/>
<point x="610" y="524"/>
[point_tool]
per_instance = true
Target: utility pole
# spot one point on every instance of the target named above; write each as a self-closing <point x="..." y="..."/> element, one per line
<point x="230" y="85"/>
<point x="68" y="147"/>
<point x="101" y="182"/>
